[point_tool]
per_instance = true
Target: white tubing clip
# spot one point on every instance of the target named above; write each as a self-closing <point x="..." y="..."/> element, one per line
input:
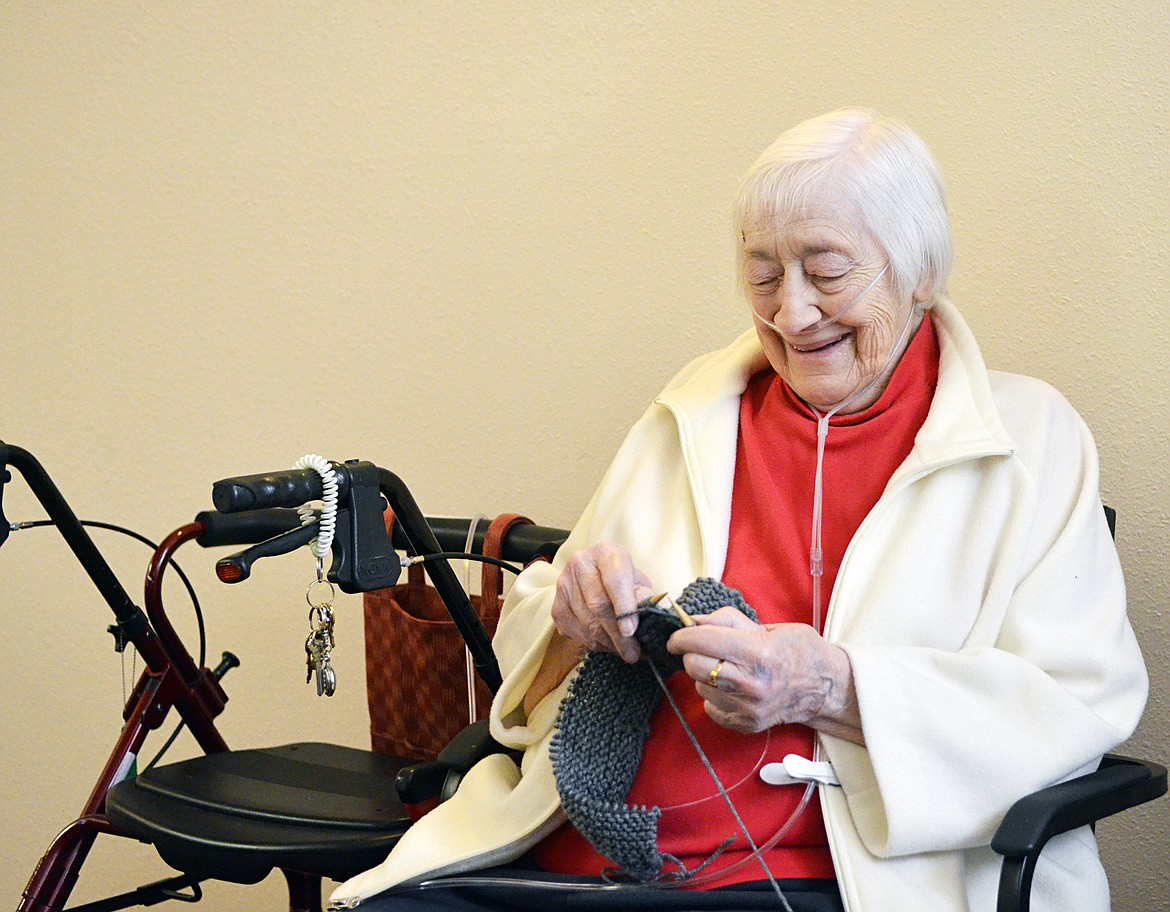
<point x="795" y="769"/>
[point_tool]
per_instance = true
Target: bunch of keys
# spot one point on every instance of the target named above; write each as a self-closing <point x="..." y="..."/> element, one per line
<point x="319" y="642"/>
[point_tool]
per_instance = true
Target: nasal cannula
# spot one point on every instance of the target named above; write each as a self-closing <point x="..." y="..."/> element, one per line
<point x="816" y="551"/>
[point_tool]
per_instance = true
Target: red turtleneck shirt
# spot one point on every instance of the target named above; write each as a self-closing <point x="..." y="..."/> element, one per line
<point x="768" y="561"/>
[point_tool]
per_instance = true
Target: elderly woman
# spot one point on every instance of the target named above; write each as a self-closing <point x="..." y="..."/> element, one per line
<point x="940" y="622"/>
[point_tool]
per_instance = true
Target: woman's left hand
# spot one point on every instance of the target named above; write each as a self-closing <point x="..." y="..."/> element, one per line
<point x="754" y="676"/>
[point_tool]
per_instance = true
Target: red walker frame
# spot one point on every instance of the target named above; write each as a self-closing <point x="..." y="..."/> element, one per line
<point x="170" y="679"/>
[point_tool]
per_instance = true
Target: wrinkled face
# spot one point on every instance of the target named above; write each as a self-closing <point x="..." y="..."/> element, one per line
<point x="802" y="275"/>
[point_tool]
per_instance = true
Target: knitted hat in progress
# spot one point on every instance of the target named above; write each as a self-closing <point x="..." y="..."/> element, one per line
<point x="603" y="723"/>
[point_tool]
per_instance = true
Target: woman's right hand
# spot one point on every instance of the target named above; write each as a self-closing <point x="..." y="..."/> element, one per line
<point x="597" y="600"/>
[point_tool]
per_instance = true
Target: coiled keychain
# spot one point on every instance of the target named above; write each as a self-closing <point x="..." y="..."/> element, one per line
<point x="319" y="643"/>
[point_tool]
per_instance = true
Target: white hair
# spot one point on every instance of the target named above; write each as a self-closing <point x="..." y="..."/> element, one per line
<point x="879" y="167"/>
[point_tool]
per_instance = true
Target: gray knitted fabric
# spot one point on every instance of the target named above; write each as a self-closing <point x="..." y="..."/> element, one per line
<point x="603" y="723"/>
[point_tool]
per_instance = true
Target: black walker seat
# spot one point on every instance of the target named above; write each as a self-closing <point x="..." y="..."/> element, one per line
<point x="318" y="809"/>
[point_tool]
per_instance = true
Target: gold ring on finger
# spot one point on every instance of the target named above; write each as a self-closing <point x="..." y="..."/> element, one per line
<point x="713" y="677"/>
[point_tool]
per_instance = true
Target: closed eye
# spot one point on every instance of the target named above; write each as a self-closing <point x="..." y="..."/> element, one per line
<point x="763" y="281"/>
<point x="827" y="267"/>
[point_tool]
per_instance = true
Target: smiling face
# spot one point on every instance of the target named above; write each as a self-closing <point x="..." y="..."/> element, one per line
<point x="802" y="275"/>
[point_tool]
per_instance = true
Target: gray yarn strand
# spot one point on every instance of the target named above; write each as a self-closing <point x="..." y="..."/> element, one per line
<point x="722" y="791"/>
<point x="603" y="724"/>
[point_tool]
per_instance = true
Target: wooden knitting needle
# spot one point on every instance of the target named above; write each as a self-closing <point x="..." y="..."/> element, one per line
<point x="687" y="620"/>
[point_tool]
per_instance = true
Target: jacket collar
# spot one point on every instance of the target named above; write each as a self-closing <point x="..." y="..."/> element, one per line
<point x="963" y="422"/>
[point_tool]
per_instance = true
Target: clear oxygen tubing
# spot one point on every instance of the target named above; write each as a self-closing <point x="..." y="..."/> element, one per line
<point x="816" y="561"/>
<point x="328" y="518"/>
<point x="757" y="852"/>
<point x="816" y="555"/>
<point x="836" y="318"/>
<point x="816" y="550"/>
<point x="816" y="565"/>
<point x="472" y="712"/>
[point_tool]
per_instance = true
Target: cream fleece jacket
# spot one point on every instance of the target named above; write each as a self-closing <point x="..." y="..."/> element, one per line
<point x="981" y="603"/>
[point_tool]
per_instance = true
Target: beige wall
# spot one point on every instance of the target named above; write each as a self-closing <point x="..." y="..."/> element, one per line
<point x="468" y="242"/>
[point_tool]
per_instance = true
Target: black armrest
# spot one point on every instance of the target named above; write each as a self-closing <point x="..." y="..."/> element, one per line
<point x="1119" y="783"/>
<point x="440" y="777"/>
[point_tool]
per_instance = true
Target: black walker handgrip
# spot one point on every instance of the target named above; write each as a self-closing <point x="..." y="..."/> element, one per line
<point x="245" y="528"/>
<point x="522" y="543"/>
<point x="290" y="488"/>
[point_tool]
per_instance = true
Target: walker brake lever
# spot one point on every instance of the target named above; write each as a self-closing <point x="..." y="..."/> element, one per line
<point x="238" y="567"/>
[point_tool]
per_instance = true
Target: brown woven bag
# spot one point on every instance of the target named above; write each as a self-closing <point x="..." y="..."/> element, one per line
<point x="416" y="666"/>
